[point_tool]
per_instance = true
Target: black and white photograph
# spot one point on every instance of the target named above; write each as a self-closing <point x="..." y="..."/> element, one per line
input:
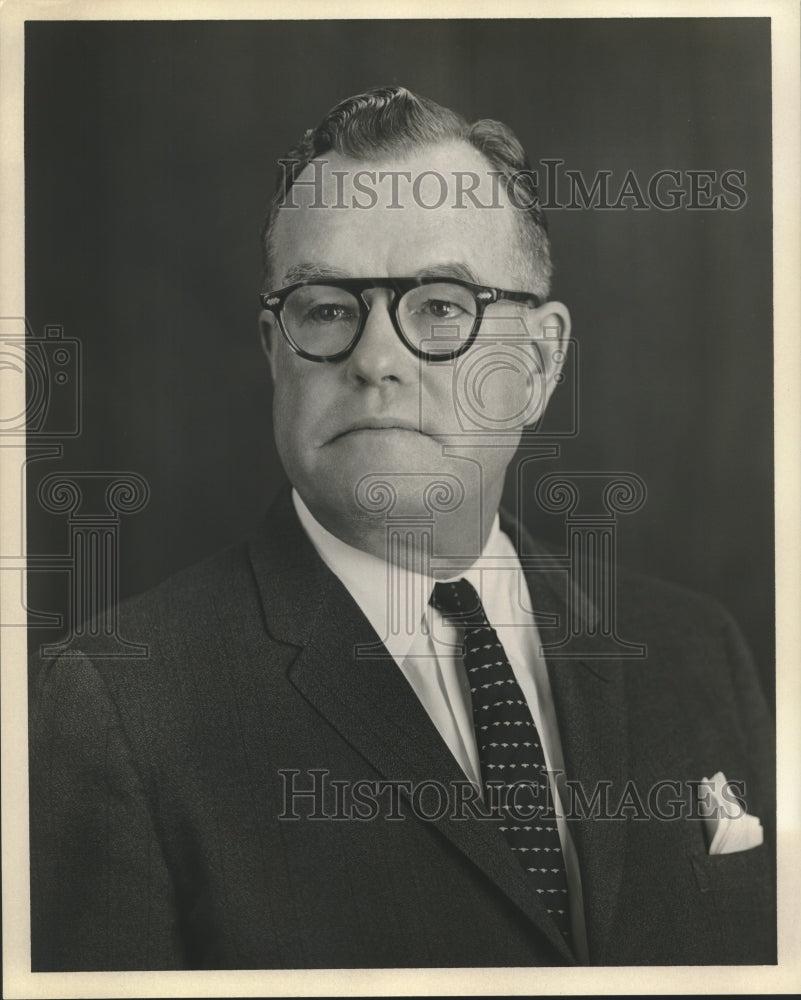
<point x="399" y="545"/>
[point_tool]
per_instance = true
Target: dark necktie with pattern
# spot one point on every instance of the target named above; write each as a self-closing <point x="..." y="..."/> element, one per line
<point x="513" y="769"/>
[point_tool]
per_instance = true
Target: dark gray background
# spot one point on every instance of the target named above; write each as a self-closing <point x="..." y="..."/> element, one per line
<point x="151" y="152"/>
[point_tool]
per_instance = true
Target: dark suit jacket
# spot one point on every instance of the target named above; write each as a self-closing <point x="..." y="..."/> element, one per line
<point x="155" y="788"/>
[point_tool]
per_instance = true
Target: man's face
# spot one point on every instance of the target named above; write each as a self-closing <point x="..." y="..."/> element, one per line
<point x="383" y="410"/>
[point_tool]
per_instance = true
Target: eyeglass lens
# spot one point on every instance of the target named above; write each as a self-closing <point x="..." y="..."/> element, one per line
<point x="322" y="320"/>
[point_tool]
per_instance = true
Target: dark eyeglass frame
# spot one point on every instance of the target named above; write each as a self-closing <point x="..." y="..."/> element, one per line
<point x="484" y="296"/>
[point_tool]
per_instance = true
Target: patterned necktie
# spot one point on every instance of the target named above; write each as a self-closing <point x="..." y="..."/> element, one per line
<point x="509" y="750"/>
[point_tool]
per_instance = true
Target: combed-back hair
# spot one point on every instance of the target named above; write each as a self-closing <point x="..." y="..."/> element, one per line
<point x="394" y="120"/>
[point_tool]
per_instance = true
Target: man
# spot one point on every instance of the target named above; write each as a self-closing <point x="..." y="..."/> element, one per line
<point x="312" y="767"/>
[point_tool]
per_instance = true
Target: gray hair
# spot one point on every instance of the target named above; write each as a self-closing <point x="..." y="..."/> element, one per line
<point x="391" y="119"/>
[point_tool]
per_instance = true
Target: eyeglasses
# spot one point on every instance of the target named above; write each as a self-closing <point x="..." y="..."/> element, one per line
<point x="322" y="320"/>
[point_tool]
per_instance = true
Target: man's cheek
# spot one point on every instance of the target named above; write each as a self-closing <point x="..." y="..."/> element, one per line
<point x="437" y="400"/>
<point x="290" y="416"/>
<point x="496" y="388"/>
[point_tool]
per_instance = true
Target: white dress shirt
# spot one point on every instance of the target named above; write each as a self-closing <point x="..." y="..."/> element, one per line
<point x="424" y="646"/>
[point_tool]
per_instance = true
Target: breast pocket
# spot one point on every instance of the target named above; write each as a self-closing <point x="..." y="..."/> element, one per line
<point x="738" y="892"/>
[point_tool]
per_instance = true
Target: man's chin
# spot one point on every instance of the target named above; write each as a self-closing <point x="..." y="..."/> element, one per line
<point x="374" y="473"/>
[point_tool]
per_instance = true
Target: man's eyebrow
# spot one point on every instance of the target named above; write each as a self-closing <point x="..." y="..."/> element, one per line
<point x="448" y="269"/>
<point x="305" y="272"/>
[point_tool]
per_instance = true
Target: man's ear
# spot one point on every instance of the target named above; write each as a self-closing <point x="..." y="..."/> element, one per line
<point x="269" y="334"/>
<point x="549" y="326"/>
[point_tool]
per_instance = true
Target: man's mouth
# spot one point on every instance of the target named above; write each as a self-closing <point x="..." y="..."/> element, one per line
<point x="378" y="424"/>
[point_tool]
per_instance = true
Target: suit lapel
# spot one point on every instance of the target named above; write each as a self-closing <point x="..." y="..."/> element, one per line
<point x="589" y="698"/>
<point x="368" y="700"/>
<point x="590" y="711"/>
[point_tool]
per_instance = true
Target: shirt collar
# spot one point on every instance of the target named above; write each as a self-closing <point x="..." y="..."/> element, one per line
<point x="367" y="579"/>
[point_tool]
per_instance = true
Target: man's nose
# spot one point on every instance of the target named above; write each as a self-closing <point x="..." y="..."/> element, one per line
<point x="380" y="358"/>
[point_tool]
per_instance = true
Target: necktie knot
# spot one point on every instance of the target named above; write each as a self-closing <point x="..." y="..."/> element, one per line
<point x="458" y="601"/>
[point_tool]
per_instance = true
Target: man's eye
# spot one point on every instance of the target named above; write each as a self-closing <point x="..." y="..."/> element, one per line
<point x="441" y="309"/>
<point x="329" y="313"/>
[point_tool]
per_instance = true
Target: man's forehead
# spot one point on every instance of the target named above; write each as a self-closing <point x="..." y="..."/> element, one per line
<point x="442" y="204"/>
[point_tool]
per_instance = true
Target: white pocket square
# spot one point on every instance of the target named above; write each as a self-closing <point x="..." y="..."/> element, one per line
<point x="728" y="825"/>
